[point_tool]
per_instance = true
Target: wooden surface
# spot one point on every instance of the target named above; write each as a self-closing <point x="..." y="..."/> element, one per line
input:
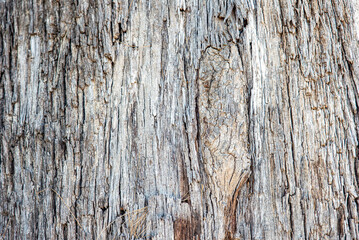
<point x="180" y="119"/>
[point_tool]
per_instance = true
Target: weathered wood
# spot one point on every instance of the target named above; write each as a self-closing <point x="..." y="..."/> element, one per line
<point x="179" y="119"/>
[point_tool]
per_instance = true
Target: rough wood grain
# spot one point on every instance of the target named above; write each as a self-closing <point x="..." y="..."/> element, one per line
<point x="179" y="119"/>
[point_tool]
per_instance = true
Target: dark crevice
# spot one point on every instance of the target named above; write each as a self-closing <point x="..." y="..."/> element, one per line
<point x="123" y="212"/>
<point x="356" y="165"/>
<point x="185" y="120"/>
<point x="186" y="194"/>
<point x="245" y="22"/>
<point x="65" y="230"/>
<point x="304" y="221"/>
<point x="120" y="37"/>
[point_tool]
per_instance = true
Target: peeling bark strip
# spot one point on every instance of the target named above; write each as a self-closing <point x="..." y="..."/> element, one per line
<point x="179" y="119"/>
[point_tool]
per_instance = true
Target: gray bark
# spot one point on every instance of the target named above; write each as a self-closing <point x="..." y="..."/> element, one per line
<point x="179" y="119"/>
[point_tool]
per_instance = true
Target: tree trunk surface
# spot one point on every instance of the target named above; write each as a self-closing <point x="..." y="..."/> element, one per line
<point x="183" y="119"/>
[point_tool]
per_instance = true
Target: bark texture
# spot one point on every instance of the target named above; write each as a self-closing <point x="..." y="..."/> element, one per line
<point x="183" y="119"/>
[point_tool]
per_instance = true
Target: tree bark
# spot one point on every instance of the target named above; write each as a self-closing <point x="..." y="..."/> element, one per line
<point x="131" y="119"/>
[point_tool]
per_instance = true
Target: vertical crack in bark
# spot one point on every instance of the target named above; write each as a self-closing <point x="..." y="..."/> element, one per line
<point x="198" y="138"/>
<point x="304" y="220"/>
<point x="291" y="129"/>
<point x="185" y="191"/>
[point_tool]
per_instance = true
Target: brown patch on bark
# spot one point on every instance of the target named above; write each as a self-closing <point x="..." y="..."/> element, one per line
<point x="187" y="229"/>
<point x="182" y="229"/>
<point x="196" y="226"/>
<point x="230" y="219"/>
